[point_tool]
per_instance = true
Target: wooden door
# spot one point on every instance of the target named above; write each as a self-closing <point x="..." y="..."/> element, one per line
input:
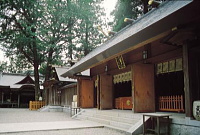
<point x="86" y="94"/>
<point x="106" y="92"/>
<point x="144" y="93"/>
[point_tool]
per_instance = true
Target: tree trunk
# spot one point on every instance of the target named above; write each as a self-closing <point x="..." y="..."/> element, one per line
<point x="49" y="62"/>
<point x="145" y="5"/>
<point x="37" y="85"/>
<point x="36" y="65"/>
<point x="86" y="46"/>
<point x="70" y="47"/>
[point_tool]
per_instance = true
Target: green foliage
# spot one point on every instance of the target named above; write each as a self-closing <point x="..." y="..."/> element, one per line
<point x="18" y="28"/>
<point x="42" y="31"/>
<point x="128" y="9"/>
<point x="18" y="64"/>
<point x="18" y="32"/>
<point x="90" y="17"/>
<point x="42" y="69"/>
<point x="3" y="66"/>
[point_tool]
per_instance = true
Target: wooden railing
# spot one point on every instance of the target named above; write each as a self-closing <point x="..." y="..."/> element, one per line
<point x="171" y="103"/>
<point x="35" y="105"/>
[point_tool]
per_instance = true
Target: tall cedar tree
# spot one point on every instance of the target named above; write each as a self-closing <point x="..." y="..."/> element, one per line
<point x="85" y="33"/>
<point x="61" y="29"/>
<point x="42" y="29"/>
<point x="54" y="31"/>
<point x="18" y="20"/>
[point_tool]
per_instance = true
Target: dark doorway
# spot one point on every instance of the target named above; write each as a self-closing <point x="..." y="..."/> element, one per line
<point x="169" y="84"/>
<point x="122" y="89"/>
<point x="27" y="94"/>
<point x="123" y="95"/>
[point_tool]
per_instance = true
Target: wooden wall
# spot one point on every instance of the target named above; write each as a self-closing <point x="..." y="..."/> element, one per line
<point x="49" y="96"/>
<point x="57" y="100"/>
<point x="86" y="94"/>
<point x="67" y="95"/>
<point x="144" y="93"/>
<point x="52" y="97"/>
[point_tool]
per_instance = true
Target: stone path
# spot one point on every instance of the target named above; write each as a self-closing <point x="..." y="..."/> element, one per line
<point x="9" y="115"/>
<point x="25" y="122"/>
<point x="85" y="131"/>
<point x="38" y="126"/>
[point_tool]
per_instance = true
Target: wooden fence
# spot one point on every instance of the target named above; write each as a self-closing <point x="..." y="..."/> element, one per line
<point x="35" y="105"/>
<point x="171" y="103"/>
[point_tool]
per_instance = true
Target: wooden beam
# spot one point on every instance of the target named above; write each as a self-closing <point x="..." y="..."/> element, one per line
<point x="84" y="77"/>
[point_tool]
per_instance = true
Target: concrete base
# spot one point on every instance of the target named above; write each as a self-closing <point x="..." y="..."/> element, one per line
<point x="184" y="130"/>
<point x="55" y="109"/>
<point x="184" y="126"/>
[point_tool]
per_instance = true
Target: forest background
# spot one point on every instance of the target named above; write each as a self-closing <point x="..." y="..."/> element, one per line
<point x="36" y="34"/>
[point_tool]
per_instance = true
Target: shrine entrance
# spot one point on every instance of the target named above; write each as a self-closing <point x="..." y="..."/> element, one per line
<point x="122" y="91"/>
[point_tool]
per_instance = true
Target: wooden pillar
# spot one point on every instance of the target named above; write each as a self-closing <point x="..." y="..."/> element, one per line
<point x="2" y="97"/>
<point x="46" y="96"/>
<point x="188" y="103"/>
<point x="54" y="95"/>
<point x="10" y="97"/>
<point x="98" y="92"/>
<point x="51" y="96"/>
<point x="78" y="93"/>
<point x="18" y="99"/>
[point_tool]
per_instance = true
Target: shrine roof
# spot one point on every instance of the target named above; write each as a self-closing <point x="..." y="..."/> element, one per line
<point x="147" y="28"/>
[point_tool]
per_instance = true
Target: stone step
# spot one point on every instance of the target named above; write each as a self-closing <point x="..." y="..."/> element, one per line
<point x="113" y="118"/>
<point x="108" y="123"/>
<point x="120" y="114"/>
<point x="43" y="109"/>
<point x="125" y="121"/>
<point x="147" y="134"/>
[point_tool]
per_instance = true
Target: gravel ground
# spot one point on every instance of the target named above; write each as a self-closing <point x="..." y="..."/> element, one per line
<point x="24" y="115"/>
<point x="9" y="115"/>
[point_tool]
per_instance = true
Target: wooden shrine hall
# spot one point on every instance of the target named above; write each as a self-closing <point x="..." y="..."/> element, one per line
<point x="16" y="90"/>
<point x="151" y="65"/>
